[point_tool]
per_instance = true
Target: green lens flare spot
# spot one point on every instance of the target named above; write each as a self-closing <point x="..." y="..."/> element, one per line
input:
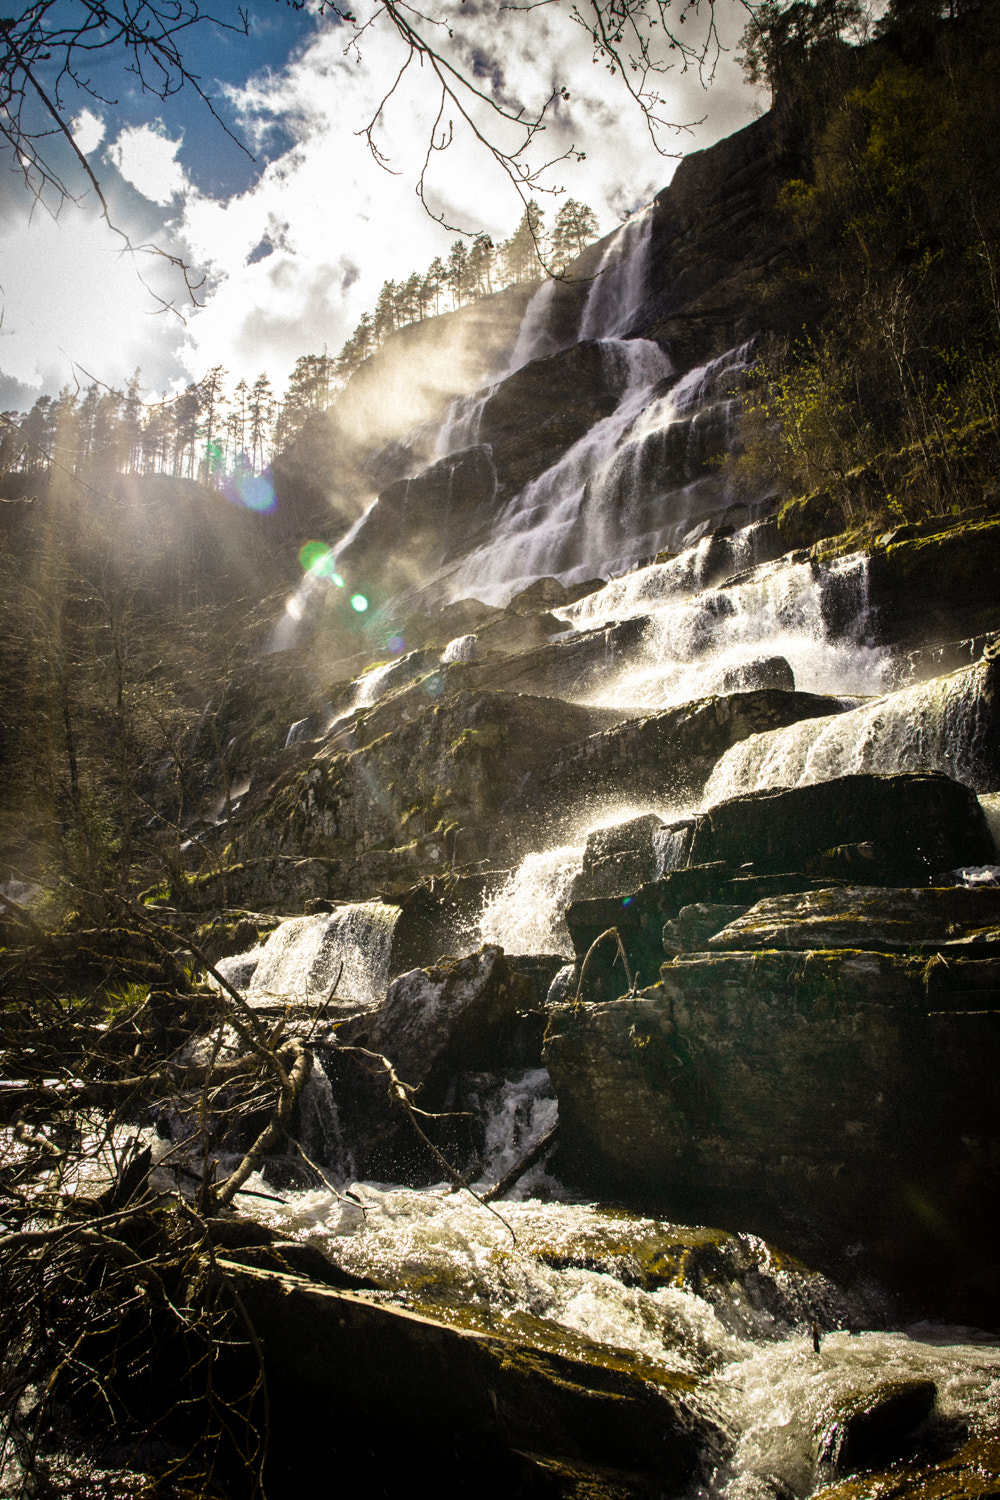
<point x="312" y="556"/>
<point x="359" y="602"/>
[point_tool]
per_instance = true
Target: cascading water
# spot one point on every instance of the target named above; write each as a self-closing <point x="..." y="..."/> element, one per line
<point x="941" y="725"/>
<point x="618" y="289"/>
<point x="637" y="482"/>
<point x="534" y="338"/>
<point x="640" y="481"/>
<point x="695" y="637"/>
<point x="526" y="915"/>
<point x="546" y="528"/>
<point x="461" y="422"/>
<point x="614" y="297"/>
<point x="305" y="958"/>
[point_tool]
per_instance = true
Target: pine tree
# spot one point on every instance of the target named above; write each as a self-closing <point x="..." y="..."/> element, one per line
<point x="212" y="401"/>
<point x="481" y="265"/>
<point x="521" y="252"/>
<point x="385" y="311"/>
<point x="457" y="273"/>
<point x="260" y="414"/>
<point x="435" y="282"/>
<point x="575" y="227"/>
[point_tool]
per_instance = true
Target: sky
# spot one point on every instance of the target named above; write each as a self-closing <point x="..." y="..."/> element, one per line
<point x="289" y="225"/>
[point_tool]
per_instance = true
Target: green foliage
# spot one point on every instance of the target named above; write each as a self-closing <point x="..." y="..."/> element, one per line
<point x="885" y="394"/>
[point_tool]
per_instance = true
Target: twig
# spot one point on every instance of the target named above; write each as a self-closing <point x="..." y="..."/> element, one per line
<point x="401" y="1092"/>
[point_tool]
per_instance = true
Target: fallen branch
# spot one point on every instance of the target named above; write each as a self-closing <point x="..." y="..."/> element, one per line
<point x="400" y="1092"/>
<point x="296" y="1075"/>
<point x="534" y="1153"/>
<point x="610" y="932"/>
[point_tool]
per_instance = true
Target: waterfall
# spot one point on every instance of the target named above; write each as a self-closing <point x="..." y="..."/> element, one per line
<point x="534" y="340"/>
<point x="696" y="637"/>
<point x="302" y="957"/>
<point x="946" y="724"/>
<point x="671" y="845"/>
<point x="526" y="914"/>
<point x="461" y="422"/>
<point x="558" y="524"/>
<point x="618" y="289"/>
<point x="521" y="1110"/>
<point x="462" y="648"/>
<point x="614" y="297"/>
<point x="637" y="482"/>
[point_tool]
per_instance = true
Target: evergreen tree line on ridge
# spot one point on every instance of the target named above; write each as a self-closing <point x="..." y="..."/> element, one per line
<point x="205" y="433"/>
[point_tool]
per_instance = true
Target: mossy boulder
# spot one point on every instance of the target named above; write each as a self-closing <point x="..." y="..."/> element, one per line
<point x="929" y="822"/>
<point x="820" y="1099"/>
<point x="866" y="917"/>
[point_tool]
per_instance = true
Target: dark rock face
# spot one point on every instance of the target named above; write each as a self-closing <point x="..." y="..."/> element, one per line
<point x="563" y="668"/>
<point x="768" y="848"/>
<point x="513" y="633"/>
<point x="449" y="1018"/>
<point x="461" y="1402"/>
<point x="619" y="859"/>
<point x="804" y="1096"/>
<point x="871" y="1426"/>
<point x="436" y="775"/>
<point x="866" y="917"/>
<point x="416" y="524"/>
<point x="717" y="200"/>
<point x="929" y="822"/>
<point x="545" y="407"/>
<point x="695" y="925"/>
<point x="936" y="588"/>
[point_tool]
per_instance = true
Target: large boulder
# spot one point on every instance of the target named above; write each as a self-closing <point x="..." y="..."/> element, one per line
<point x="438" y="1021"/>
<point x="823" y="1099"/>
<point x="621" y="858"/>
<point x="865" y="917"/>
<point x="929" y="823"/>
<point x="870" y="1425"/>
<point x="971" y="1473"/>
<point x="667" y="755"/>
<point x="433" y="1404"/>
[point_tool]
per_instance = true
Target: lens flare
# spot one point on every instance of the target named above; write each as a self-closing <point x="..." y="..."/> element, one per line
<point x="359" y="602"/>
<point x="317" y="559"/>
<point x="396" y="644"/>
<point x="253" y="492"/>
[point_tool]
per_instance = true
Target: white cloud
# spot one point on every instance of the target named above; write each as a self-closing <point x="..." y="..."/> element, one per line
<point x="88" y="131"/>
<point x="147" y="159"/>
<point x="337" y="224"/>
<point x="72" y="297"/>
<point x="325" y="205"/>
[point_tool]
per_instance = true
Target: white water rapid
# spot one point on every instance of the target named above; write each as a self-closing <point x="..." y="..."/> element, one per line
<point x="304" y="958"/>
<point x="697" y="637"/>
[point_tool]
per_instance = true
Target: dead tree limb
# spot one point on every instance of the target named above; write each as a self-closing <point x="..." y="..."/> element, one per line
<point x="534" y="1153"/>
